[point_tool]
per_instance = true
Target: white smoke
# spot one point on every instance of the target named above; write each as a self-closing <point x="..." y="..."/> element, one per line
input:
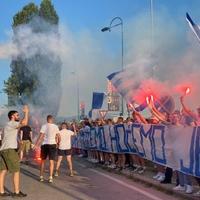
<point x="175" y="57"/>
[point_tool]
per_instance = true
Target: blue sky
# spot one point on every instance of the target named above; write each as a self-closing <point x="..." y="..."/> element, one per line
<point x="92" y="15"/>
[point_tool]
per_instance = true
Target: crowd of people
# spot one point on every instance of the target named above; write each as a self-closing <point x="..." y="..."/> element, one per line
<point x="55" y="143"/>
<point x="137" y="164"/>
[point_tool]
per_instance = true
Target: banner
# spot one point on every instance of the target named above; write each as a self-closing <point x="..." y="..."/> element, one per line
<point x="177" y="147"/>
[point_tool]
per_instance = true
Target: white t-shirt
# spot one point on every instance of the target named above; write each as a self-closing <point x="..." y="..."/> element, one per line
<point x="65" y="139"/>
<point x="50" y="131"/>
<point x="10" y="135"/>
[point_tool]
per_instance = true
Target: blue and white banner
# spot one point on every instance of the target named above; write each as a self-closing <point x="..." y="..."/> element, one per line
<point x="177" y="147"/>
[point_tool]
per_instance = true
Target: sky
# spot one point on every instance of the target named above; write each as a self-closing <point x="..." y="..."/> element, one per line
<point x="84" y="20"/>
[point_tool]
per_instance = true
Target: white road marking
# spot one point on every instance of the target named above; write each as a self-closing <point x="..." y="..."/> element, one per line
<point x="147" y="194"/>
<point x="82" y="165"/>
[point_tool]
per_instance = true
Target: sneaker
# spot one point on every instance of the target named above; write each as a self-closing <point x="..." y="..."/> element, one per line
<point x="5" y="194"/>
<point x="197" y="194"/>
<point x="71" y="174"/>
<point x="56" y="173"/>
<point x="113" y="166"/>
<point x="157" y="175"/>
<point x="141" y="170"/>
<point x="161" y="178"/>
<point x="41" y="179"/>
<point x="137" y="168"/>
<point x="189" y="189"/>
<point x="50" y="179"/>
<point x="75" y="172"/>
<point x="179" y="188"/>
<point x="20" y="194"/>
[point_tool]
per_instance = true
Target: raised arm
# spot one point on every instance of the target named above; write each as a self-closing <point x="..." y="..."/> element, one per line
<point x="74" y="129"/>
<point x="187" y="110"/>
<point x="157" y="113"/>
<point x="24" y="121"/>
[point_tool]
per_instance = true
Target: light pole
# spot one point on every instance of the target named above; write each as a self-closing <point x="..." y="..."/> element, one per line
<point x="120" y="23"/>
<point x="78" y="95"/>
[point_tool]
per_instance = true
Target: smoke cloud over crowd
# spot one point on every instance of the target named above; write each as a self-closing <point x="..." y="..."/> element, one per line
<point x="171" y="62"/>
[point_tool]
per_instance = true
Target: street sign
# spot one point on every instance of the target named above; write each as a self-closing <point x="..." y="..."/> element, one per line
<point x="103" y="113"/>
<point x="113" y="101"/>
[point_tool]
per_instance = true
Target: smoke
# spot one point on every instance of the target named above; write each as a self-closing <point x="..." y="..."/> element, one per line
<point x="173" y="60"/>
<point x="78" y="61"/>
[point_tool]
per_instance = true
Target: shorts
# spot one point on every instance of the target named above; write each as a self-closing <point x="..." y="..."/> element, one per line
<point x="48" y="150"/>
<point x="9" y="160"/>
<point x="25" y="146"/>
<point x="66" y="152"/>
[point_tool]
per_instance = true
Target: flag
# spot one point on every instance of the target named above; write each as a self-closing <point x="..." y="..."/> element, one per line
<point x="195" y="28"/>
<point x="125" y="84"/>
<point x="97" y="100"/>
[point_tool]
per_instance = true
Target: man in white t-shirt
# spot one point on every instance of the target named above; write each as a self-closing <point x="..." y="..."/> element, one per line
<point x="49" y="135"/>
<point x="65" y="148"/>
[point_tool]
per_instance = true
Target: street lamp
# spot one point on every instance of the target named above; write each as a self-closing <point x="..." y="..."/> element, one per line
<point x="120" y="23"/>
<point x="78" y="95"/>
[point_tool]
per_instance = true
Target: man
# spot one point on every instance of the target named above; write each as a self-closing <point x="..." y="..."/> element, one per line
<point x="65" y="147"/>
<point x="49" y="135"/>
<point x="9" y="159"/>
<point x="1" y="132"/>
<point x="25" y="141"/>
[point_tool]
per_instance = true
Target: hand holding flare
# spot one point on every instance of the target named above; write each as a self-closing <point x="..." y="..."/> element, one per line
<point x="160" y="116"/>
<point x="138" y="116"/>
<point x="187" y="91"/>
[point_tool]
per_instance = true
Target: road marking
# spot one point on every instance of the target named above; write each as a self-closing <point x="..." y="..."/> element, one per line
<point x="82" y="165"/>
<point x="147" y="194"/>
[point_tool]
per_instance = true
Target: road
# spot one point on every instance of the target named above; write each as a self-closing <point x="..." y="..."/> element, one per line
<point x="90" y="183"/>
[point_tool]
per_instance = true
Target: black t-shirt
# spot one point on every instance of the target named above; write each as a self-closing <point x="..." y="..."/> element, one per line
<point x="26" y="132"/>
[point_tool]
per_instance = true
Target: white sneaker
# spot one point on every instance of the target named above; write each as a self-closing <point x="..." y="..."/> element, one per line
<point x="41" y="179"/>
<point x="141" y="170"/>
<point x="50" y="179"/>
<point x="157" y="175"/>
<point x="179" y="188"/>
<point x="189" y="189"/>
<point x="137" y="168"/>
<point x="56" y="173"/>
<point x="197" y="194"/>
<point x="161" y="178"/>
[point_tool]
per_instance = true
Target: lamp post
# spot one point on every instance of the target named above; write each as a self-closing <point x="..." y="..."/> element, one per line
<point x="120" y="23"/>
<point x="78" y="95"/>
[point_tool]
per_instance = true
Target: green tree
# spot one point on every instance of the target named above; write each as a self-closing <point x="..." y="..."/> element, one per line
<point x="47" y="12"/>
<point x="25" y="15"/>
<point x="25" y="81"/>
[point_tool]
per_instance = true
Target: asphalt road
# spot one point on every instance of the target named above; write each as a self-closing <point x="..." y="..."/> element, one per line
<point x="90" y="183"/>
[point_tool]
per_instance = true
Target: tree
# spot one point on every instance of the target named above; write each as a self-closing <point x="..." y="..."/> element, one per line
<point x="29" y="76"/>
<point x="25" y="15"/>
<point x="48" y="13"/>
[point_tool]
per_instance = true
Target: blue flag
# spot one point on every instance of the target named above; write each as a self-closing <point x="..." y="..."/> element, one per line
<point x="195" y="28"/>
<point x="97" y="100"/>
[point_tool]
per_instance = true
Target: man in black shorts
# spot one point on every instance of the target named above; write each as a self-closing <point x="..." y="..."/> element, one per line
<point x="65" y="147"/>
<point x="25" y="141"/>
<point x="49" y="135"/>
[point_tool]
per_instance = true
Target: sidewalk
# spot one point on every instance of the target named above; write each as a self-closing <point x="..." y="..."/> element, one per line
<point x="146" y="179"/>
